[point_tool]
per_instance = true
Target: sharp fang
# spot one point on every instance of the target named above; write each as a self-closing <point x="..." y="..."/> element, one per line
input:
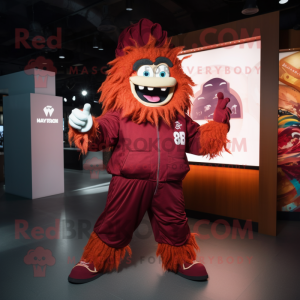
<point x="141" y="87"/>
<point x="150" y="89"/>
<point x="163" y="89"/>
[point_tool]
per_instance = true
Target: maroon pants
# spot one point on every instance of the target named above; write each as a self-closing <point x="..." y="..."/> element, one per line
<point x="127" y="202"/>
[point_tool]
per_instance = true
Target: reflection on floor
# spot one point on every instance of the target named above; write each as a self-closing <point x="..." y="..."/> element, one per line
<point x="258" y="268"/>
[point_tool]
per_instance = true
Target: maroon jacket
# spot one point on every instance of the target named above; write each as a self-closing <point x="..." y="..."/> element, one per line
<point x="146" y="151"/>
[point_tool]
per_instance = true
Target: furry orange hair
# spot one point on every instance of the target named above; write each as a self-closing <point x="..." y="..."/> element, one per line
<point x="116" y="92"/>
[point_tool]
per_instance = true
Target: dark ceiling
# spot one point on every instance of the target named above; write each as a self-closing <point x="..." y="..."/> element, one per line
<point x="84" y="22"/>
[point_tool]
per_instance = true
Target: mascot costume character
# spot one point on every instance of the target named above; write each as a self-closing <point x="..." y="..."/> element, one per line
<point x="146" y="98"/>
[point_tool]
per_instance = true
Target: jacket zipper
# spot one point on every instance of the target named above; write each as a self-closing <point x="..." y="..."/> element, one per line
<point x="158" y="164"/>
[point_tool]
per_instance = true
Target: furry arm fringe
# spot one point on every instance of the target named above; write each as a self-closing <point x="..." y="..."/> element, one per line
<point x="80" y="139"/>
<point x="213" y="139"/>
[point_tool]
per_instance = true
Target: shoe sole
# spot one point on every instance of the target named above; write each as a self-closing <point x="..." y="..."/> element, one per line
<point x="195" y="278"/>
<point x="79" y="281"/>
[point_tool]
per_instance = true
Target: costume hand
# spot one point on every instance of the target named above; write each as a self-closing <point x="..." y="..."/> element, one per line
<point x="81" y="119"/>
<point x="222" y="113"/>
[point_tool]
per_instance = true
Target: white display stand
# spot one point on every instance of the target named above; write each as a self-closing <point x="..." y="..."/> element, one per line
<point x="33" y="134"/>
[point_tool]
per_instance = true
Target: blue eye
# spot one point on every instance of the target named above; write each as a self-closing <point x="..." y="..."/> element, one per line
<point x="162" y="71"/>
<point x="145" y="71"/>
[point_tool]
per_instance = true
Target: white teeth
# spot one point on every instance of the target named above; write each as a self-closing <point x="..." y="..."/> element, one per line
<point x="163" y="89"/>
<point x="141" y="87"/>
<point x="150" y="89"/>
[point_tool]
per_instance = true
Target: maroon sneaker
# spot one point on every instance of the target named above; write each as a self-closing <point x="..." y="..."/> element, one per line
<point x="194" y="271"/>
<point x="83" y="272"/>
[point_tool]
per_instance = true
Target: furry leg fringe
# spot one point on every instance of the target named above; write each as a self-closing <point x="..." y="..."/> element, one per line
<point x="105" y="258"/>
<point x="173" y="256"/>
<point x="80" y="139"/>
<point x="213" y="139"/>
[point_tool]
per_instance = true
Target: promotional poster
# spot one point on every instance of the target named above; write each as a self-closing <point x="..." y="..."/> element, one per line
<point x="234" y="71"/>
<point x="288" y="186"/>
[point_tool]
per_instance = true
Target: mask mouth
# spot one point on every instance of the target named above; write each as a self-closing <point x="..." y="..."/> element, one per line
<point x="153" y="91"/>
<point x="152" y="94"/>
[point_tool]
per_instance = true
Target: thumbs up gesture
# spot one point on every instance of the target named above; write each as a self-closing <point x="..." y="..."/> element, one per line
<point x="222" y="112"/>
<point x="81" y="119"/>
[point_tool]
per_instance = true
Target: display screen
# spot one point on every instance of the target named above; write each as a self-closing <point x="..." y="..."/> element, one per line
<point x="234" y="71"/>
<point x="288" y="177"/>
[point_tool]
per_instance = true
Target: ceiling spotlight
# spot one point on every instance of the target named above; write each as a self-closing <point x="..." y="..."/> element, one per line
<point x="283" y="1"/>
<point x="95" y="43"/>
<point x="250" y="8"/>
<point x="84" y="93"/>
<point x="65" y="99"/>
<point x="61" y="54"/>
<point x="100" y="46"/>
<point x="129" y="5"/>
<point x="74" y="98"/>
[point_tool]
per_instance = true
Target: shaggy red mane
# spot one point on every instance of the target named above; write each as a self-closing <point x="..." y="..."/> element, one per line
<point x="116" y="92"/>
